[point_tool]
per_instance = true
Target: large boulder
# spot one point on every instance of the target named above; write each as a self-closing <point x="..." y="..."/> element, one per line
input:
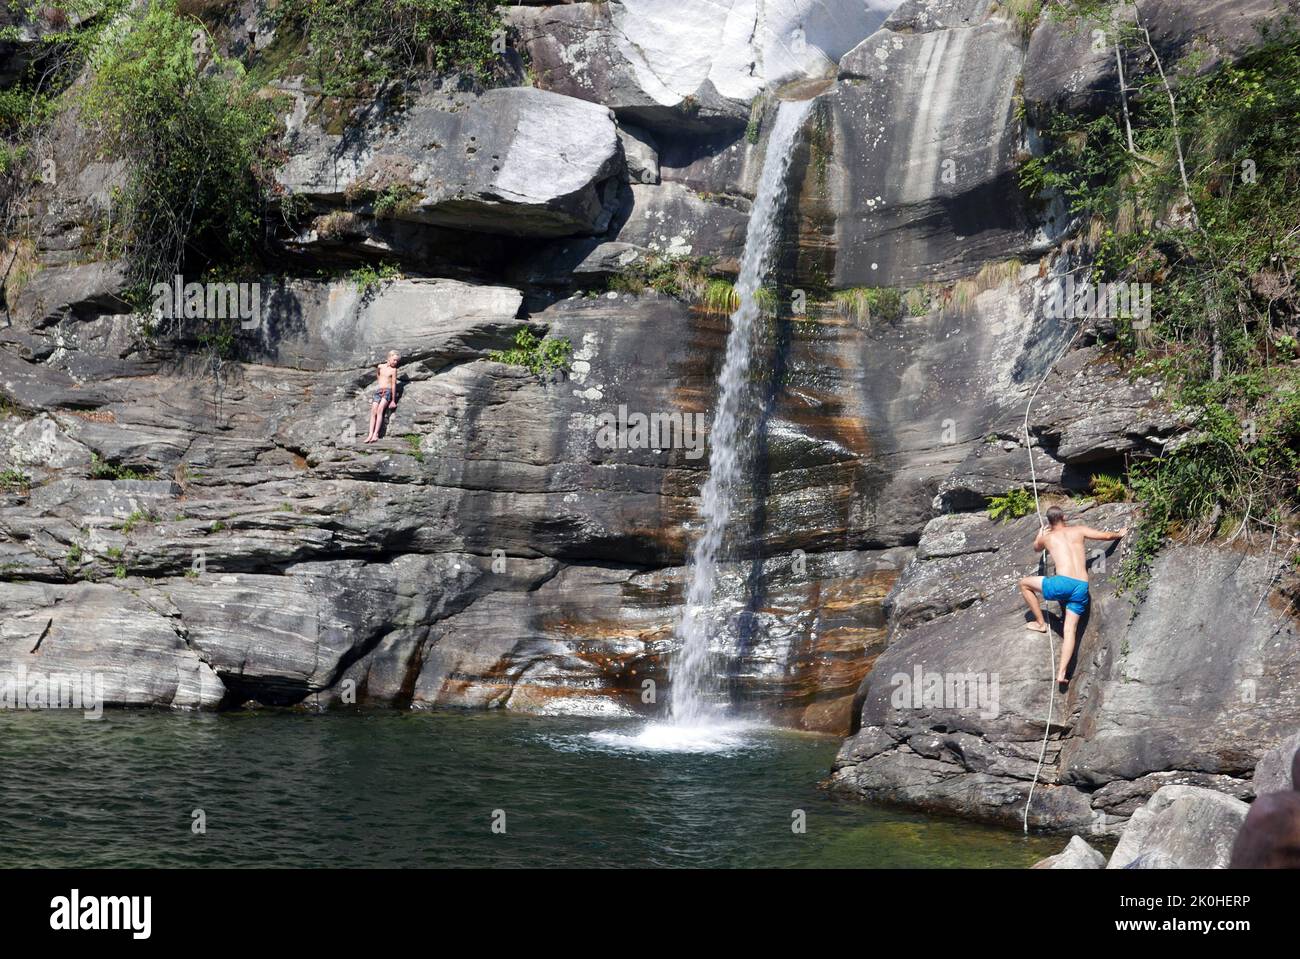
<point x="1270" y="836"/>
<point x="655" y="223"/>
<point x="1181" y="827"/>
<point x="1202" y="679"/>
<point x="1273" y="772"/>
<point x="518" y="161"/>
<point x="955" y="707"/>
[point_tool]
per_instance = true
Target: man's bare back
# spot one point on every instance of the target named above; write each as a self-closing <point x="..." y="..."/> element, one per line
<point x="1065" y="544"/>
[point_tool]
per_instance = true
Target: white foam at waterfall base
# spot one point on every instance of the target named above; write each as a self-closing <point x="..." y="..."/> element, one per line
<point x="727" y="737"/>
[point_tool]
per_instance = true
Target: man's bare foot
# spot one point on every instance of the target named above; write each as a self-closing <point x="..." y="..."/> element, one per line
<point x="1036" y="627"/>
<point x="1062" y="683"/>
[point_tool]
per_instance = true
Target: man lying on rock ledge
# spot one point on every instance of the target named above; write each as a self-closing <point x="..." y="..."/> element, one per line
<point x="1069" y="586"/>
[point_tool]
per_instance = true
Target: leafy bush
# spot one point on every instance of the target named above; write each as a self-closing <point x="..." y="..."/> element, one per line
<point x="195" y="138"/>
<point x="396" y="200"/>
<point x="15" y="480"/>
<point x="368" y="279"/>
<point x="1109" y="489"/>
<point x="1221" y="253"/>
<point x="538" y="356"/>
<point x="1011" y="505"/>
<point x="356" y="45"/>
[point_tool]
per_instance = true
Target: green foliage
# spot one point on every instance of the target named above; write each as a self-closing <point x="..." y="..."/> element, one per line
<point x="135" y="519"/>
<point x="721" y="298"/>
<point x="1013" y="504"/>
<point x="14" y="480"/>
<point x="1089" y="165"/>
<point x="1221" y="257"/>
<point x="682" y="277"/>
<point x="353" y="46"/>
<point x="1109" y="489"/>
<point x="56" y="57"/>
<point x="103" y="470"/>
<point x="413" y="441"/>
<point x="74" y="555"/>
<point x="395" y="200"/>
<point x="1092" y="11"/>
<point x="369" y="279"/>
<point x="538" y="356"/>
<point x="1024" y="14"/>
<point x="195" y="138"/>
<point x="865" y="303"/>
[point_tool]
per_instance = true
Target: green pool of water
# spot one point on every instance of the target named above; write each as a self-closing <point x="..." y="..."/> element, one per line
<point x="390" y="789"/>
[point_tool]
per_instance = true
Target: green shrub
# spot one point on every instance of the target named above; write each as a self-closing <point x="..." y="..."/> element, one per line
<point x="368" y="279"/>
<point x="1220" y="256"/>
<point x="103" y="470"/>
<point x="682" y="277"/>
<point x="195" y="138"/>
<point x="135" y="519"/>
<point x="1109" y="489"/>
<point x="353" y="46"/>
<point x="538" y="356"/>
<point x="396" y="200"/>
<point x="865" y="303"/>
<point x="1011" y="505"/>
<point x="14" y="480"/>
<point x="720" y="298"/>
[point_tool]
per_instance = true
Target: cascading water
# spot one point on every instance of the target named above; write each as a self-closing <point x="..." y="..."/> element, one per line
<point x="691" y="676"/>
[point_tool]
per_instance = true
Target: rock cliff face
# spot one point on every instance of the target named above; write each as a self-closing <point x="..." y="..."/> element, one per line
<point x="208" y="535"/>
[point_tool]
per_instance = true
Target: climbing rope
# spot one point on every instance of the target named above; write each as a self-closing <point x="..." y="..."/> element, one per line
<point x="1042" y="566"/>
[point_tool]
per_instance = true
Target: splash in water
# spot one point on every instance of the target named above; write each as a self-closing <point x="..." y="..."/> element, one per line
<point x="693" y="685"/>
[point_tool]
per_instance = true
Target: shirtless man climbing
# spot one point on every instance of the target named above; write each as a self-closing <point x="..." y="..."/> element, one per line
<point x="1069" y="585"/>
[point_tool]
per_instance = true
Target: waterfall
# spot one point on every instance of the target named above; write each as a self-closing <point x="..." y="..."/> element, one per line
<point x="691" y="679"/>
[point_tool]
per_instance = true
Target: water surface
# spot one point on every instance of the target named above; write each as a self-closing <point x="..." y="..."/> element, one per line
<point x="395" y="789"/>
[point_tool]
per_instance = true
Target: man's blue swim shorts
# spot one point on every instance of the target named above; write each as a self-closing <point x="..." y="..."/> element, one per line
<point x="1065" y="589"/>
